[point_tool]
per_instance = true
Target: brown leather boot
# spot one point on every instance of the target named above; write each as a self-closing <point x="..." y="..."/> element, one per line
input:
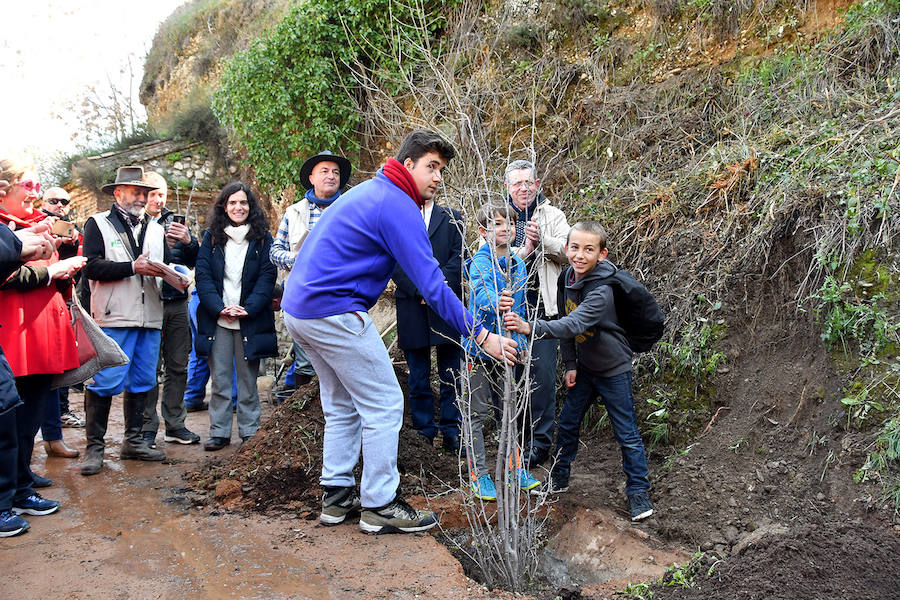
<point x="59" y="448"/>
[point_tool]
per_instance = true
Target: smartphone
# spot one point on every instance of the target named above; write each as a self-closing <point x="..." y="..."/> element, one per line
<point x="63" y="229"/>
<point x="178" y="219"/>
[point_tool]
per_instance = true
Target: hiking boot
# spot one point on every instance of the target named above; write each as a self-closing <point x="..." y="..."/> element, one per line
<point x="149" y="438"/>
<point x="338" y="503"/>
<point x="182" y="435"/>
<point x="133" y="446"/>
<point x="553" y="485"/>
<point x="450" y="443"/>
<point x="641" y="507"/>
<point x="201" y="406"/>
<point x="12" y="524"/>
<point x="484" y="488"/>
<point x="35" y="505"/>
<point x="535" y="457"/>
<point x="70" y="419"/>
<point x="38" y="481"/>
<point x="396" y="517"/>
<point x="524" y="479"/>
<point x="215" y="443"/>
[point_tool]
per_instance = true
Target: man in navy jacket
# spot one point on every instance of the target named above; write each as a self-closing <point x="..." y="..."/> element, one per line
<point x="419" y="328"/>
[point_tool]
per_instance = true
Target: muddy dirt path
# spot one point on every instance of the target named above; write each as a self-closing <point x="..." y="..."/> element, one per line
<point x="130" y="532"/>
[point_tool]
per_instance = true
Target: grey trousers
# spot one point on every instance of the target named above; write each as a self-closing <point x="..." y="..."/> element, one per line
<point x="171" y="369"/>
<point x="227" y="346"/>
<point x="361" y="400"/>
<point x="482" y="378"/>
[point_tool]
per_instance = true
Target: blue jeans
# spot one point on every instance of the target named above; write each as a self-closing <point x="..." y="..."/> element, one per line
<point x="615" y="394"/>
<point x="361" y="400"/>
<point x="421" y="398"/>
<point x="51" y="428"/>
<point x="141" y="345"/>
<point x="198" y="368"/>
<point x="543" y="393"/>
<point x="35" y="392"/>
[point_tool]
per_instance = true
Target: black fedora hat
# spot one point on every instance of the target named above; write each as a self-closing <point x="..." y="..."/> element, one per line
<point x="129" y="176"/>
<point x="342" y="163"/>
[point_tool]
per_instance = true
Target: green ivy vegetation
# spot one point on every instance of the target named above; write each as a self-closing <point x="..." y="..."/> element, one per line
<point x="289" y="94"/>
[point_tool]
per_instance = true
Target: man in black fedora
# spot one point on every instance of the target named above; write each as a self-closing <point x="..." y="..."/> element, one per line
<point x="125" y="301"/>
<point x="323" y="176"/>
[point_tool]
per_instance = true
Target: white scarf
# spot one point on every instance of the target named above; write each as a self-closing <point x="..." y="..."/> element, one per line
<point x="235" y="253"/>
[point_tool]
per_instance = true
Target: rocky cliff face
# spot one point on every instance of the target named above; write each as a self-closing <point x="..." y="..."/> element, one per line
<point x="185" y="60"/>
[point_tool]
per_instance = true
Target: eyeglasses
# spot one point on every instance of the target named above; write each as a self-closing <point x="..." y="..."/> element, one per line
<point x="63" y="201"/>
<point x="520" y="184"/>
<point x="30" y="186"/>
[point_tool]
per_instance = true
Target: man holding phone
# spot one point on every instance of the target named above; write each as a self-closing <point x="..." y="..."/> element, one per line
<point x="175" y="345"/>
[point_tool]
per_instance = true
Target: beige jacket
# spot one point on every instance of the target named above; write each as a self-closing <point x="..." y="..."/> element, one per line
<point x="133" y="301"/>
<point x="550" y="252"/>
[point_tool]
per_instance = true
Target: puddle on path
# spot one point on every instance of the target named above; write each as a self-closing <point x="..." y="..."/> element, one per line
<point x="122" y="534"/>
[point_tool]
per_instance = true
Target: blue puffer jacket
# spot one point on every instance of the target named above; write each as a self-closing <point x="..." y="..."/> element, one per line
<point x="257" y="283"/>
<point x="487" y="279"/>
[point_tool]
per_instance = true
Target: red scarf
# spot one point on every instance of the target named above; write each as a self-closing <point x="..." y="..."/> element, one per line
<point x="402" y="178"/>
<point x="33" y="219"/>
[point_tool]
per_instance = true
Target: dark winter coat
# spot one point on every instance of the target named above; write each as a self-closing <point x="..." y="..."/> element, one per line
<point x="592" y="338"/>
<point x="257" y="283"/>
<point x="418" y="325"/>
<point x="179" y="254"/>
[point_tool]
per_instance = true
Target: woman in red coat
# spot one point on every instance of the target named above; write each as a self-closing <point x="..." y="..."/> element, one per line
<point x="35" y="333"/>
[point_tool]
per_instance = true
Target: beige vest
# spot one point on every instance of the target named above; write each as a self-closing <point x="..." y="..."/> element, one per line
<point x="133" y="301"/>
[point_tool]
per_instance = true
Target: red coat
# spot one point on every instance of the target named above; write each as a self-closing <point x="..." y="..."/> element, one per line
<point x="35" y="330"/>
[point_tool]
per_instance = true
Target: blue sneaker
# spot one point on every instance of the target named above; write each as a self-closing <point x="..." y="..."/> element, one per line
<point x="35" y="505"/>
<point x="12" y="524"/>
<point x="484" y="488"/>
<point x="526" y="480"/>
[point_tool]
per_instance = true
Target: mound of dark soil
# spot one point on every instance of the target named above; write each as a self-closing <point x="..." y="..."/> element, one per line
<point x="833" y="561"/>
<point x="279" y="467"/>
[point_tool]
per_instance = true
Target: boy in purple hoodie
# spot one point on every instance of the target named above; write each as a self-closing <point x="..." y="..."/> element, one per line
<point x="342" y="268"/>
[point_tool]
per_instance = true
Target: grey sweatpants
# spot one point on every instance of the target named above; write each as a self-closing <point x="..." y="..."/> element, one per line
<point x="361" y="400"/>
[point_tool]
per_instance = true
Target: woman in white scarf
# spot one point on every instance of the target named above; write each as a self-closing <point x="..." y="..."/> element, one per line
<point x="235" y="320"/>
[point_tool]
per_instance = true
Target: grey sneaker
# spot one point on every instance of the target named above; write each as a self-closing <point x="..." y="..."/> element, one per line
<point x="641" y="507"/>
<point x="337" y="503"/>
<point x="396" y="517"/>
<point x="70" y="419"/>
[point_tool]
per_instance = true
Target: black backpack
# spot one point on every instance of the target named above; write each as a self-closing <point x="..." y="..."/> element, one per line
<point x="637" y="310"/>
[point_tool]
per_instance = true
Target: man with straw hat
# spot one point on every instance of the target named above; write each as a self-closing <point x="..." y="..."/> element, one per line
<point x="125" y="301"/>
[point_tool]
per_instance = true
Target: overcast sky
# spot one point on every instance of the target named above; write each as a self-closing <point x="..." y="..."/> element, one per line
<point x="51" y="50"/>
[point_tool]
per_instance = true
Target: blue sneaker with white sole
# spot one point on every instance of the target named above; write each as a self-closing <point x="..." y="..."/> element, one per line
<point x="525" y="479"/>
<point x="35" y="505"/>
<point x="12" y="524"/>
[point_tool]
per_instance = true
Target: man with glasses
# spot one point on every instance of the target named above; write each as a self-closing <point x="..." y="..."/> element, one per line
<point x="541" y="231"/>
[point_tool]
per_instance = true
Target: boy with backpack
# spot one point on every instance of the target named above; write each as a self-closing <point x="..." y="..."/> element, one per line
<point x="497" y="281"/>
<point x="596" y="351"/>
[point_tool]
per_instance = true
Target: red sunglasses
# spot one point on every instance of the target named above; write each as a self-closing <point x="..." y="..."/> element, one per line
<point x="30" y="186"/>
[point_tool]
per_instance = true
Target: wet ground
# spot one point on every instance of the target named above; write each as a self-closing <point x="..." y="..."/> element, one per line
<point x="132" y="532"/>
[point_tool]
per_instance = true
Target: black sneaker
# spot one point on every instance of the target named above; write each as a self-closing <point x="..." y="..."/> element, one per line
<point x="150" y="438"/>
<point x="641" y="507"/>
<point x="396" y="517"/>
<point x="182" y="436"/>
<point x="554" y="484"/>
<point x="338" y="503"/>
<point x="12" y="524"/>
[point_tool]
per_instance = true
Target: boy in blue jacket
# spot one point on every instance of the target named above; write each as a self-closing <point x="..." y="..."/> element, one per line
<point x="497" y="282"/>
<point x="341" y="269"/>
<point x="597" y="359"/>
